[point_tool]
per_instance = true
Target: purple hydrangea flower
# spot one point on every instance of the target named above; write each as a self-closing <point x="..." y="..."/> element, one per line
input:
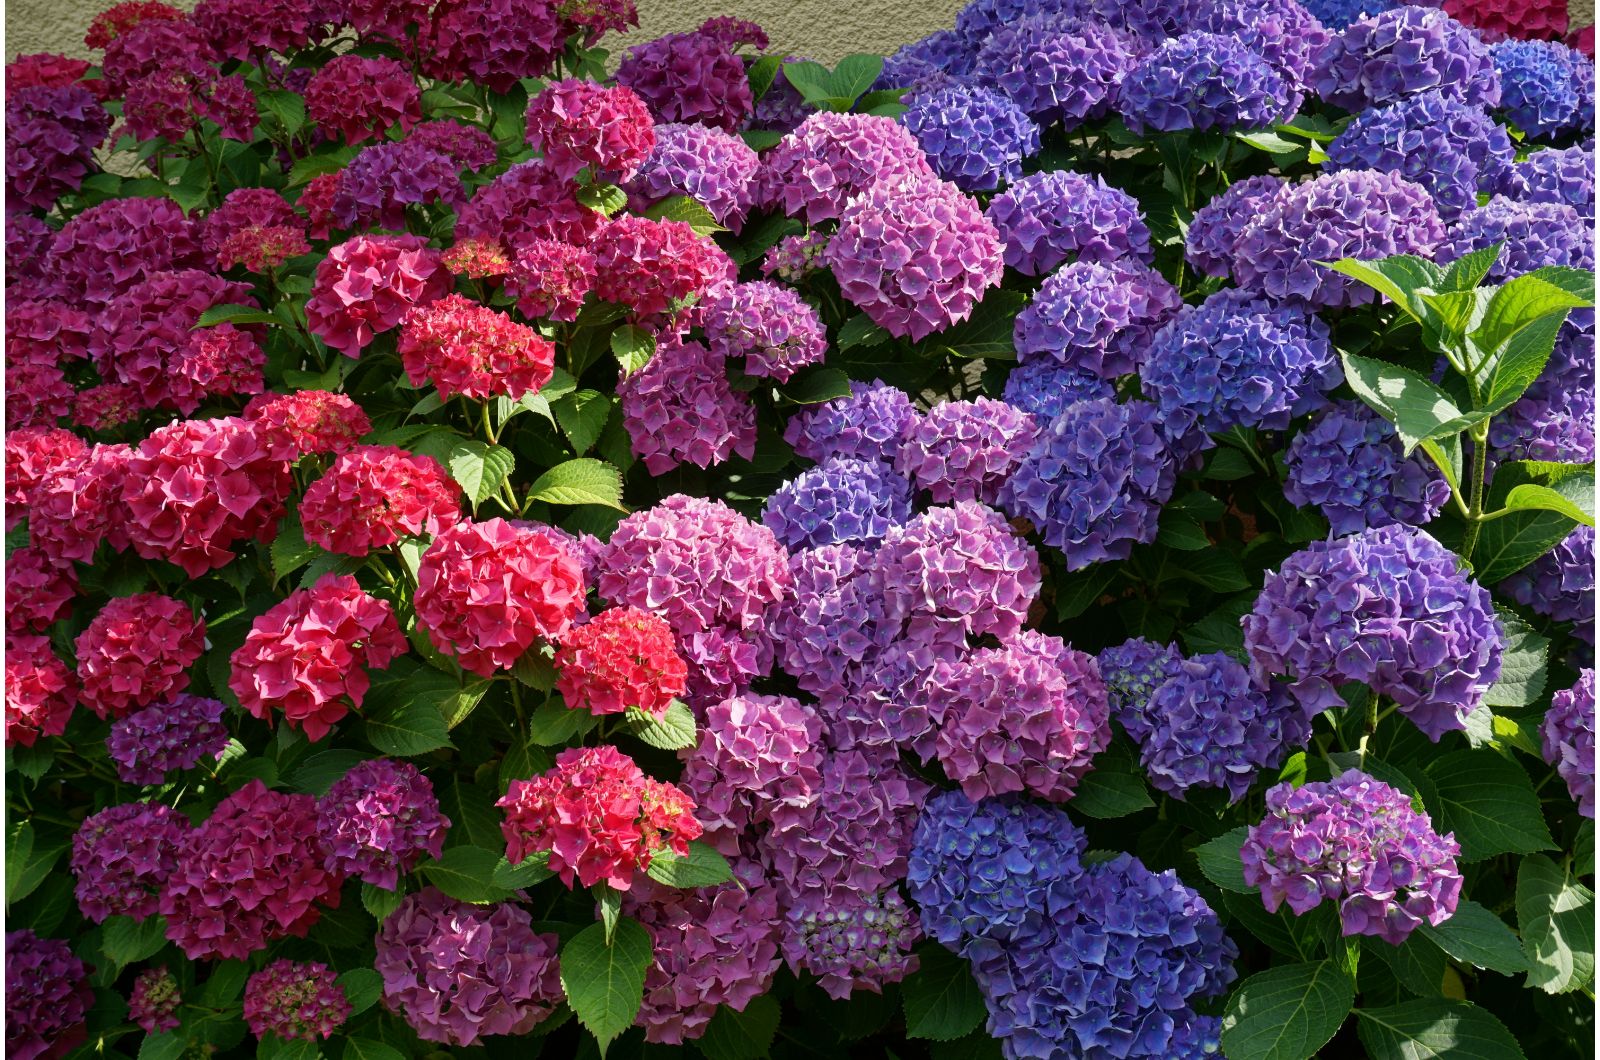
<point x="965" y="450"/>
<point x="958" y="571"/>
<point x="851" y="940"/>
<point x="1401" y="52"/>
<point x="1282" y="32"/>
<point x="156" y="740"/>
<point x="973" y="136"/>
<point x="831" y="158"/>
<point x="1357" y="842"/>
<point x="1348" y="464"/>
<point x="1209" y="726"/>
<point x="1554" y="419"/>
<point x="28" y="245"/>
<point x="1539" y="85"/>
<point x="295" y="1000"/>
<point x="1389" y="607"/>
<point x="1204" y="81"/>
<point x="467" y="145"/>
<point x="1057" y="70"/>
<point x="914" y="255"/>
<point x="378" y="820"/>
<point x="457" y="972"/>
<point x="841" y="500"/>
<point x="977" y="19"/>
<point x="713" y="167"/>
<point x="1044" y="388"/>
<point x="890" y="702"/>
<point x="1354" y="213"/>
<point x="793" y="258"/>
<point x="111" y="246"/>
<point x="680" y="408"/>
<point x="1535" y="234"/>
<point x="867" y="425"/>
<point x="1097" y="317"/>
<point x="944" y="52"/>
<point x="982" y="870"/>
<point x="830" y="632"/>
<point x="1564" y="175"/>
<point x="383" y="179"/>
<point x="1217" y="225"/>
<point x="1049" y="218"/>
<point x="1450" y="148"/>
<point x="1095" y="481"/>
<point x="766" y="325"/>
<point x="1197" y="1038"/>
<point x="1560" y="583"/>
<point x="1027" y="716"/>
<point x="1132" y="671"/>
<point x="51" y="136"/>
<point x="122" y="857"/>
<point x="1237" y="360"/>
<point x="1567" y="738"/>
<point x="47" y="996"/>
<point x="688" y="77"/>
<point x="755" y="753"/>
<point x="1337" y="14"/>
<point x="154" y="1000"/>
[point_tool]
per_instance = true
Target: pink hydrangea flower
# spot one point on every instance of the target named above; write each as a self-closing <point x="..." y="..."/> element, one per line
<point x="308" y="421"/>
<point x="39" y="589"/>
<point x="550" y="279"/>
<point x="294" y="999"/>
<point x="680" y="408"/>
<point x="110" y="247"/>
<point x="529" y="201"/>
<point x="577" y="123"/>
<point x="831" y="158"/>
<point x="492" y="42"/>
<point x="367" y="285"/>
<point x="154" y="1001"/>
<point x="621" y="658"/>
<point x="217" y="362"/>
<point x="378" y="820"/>
<point x="756" y="753"/>
<point x="374" y="495"/>
<point x="80" y="505"/>
<point x="655" y="267"/>
<point x="40" y="691"/>
<point x="33" y="456"/>
<point x="137" y="651"/>
<point x="359" y="98"/>
<point x="469" y="349"/>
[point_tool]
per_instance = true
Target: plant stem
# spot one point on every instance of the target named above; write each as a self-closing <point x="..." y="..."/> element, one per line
<point x="1480" y="466"/>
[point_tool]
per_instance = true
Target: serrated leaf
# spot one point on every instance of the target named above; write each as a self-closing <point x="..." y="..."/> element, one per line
<point x="580" y="481"/>
<point x="1416" y="407"/>
<point x="126" y="941"/>
<point x="480" y="468"/>
<point x="742" y="1035"/>
<point x="988" y="332"/>
<point x="1556" y="917"/>
<point x="367" y="1049"/>
<point x="1529" y="497"/>
<point x="941" y="999"/>
<point x="1523" y="663"/>
<point x="28" y="871"/>
<point x="1419" y="965"/>
<point x="379" y="902"/>
<point x="169" y="1045"/>
<point x="362" y="987"/>
<point x="555" y="723"/>
<point x="605" y="984"/>
<point x="1393" y="277"/>
<point x="859" y="330"/>
<point x="609" y="901"/>
<point x="1489" y="803"/>
<point x="1286" y="1013"/>
<point x="466" y="873"/>
<point x="1434" y="1027"/>
<point x="1220" y="862"/>
<point x="288" y="107"/>
<point x="1078" y="591"/>
<point x="604" y="198"/>
<point x="1475" y="936"/>
<point x="762" y="73"/>
<point x="816" y="385"/>
<point x="582" y="417"/>
<point x="1467" y="271"/>
<point x="701" y="867"/>
<point x="1106" y="793"/>
<point x="290" y="549"/>
<point x="1215" y="569"/>
<point x="407" y="684"/>
<point x="672" y="731"/>
<point x="689" y="211"/>
<point x="633" y="347"/>
<point x="853" y="75"/>
<point x="530" y="871"/>
<point x="406" y="727"/>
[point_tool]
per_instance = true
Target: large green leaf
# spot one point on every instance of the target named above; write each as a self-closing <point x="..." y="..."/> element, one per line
<point x="1488" y="802"/>
<point x="466" y="873"/>
<point x="1114" y="788"/>
<point x="1475" y="936"/>
<point x="369" y="1049"/>
<point x="1418" y="409"/>
<point x="1286" y="1013"/>
<point x="633" y="347"/>
<point x="1572" y="497"/>
<point x="1434" y="1027"/>
<point x="362" y="987"/>
<point x="687" y="210"/>
<point x="582" y="416"/>
<point x="1521" y="302"/>
<point x="941" y="999"/>
<point x="672" y="731"/>
<point x="1396" y="278"/>
<point x="581" y="481"/>
<point x="986" y="333"/>
<point x="127" y="941"/>
<point x="604" y="983"/>
<point x="1556" y="916"/>
<point x="1523" y="663"/>
<point x="1219" y="861"/>
<point x="404" y="727"/>
<point x="481" y="468"/>
<point x="816" y="385"/>
<point x="703" y="866"/>
<point x="746" y="1035"/>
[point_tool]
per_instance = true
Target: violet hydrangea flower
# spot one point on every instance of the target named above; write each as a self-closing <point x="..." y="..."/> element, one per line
<point x="688" y="77"/>
<point x="711" y="166"/>
<point x="1204" y="81"/>
<point x="1056" y="216"/>
<point x="385" y="178"/>
<point x="1099" y="317"/>
<point x="1217" y="225"/>
<point x="1560" y="175"/>
<point x="1132" y="671"/>
<point x="1044" y="388"/>
<point x="1560" y="583"/>
<point x="831" y="631"/>
<point x="1348" y="464"/>
<point x="1535" y="234"/>
<point x="973" y="136"/>
<point x="839" y="501"/>
<point x="681" y="409"/>
<point x="1540" y="90"/>
<point x="755" y="753"/>
<point x="1567" y="739"/>
<point x="1055" y="69"/>
<point x="154" y="1000"/>
<point x="1282" y="32"/>
<point x="47" y="996"/>
<point x="294" y="999"/>
<point x="159" y="739"/>
<point x="866" y="425"/>
<point x="123" y="855"/>
<point x="1401" y="52"/>
<point x="851" y="940"/>
<point x="378" y="820"/>
<point x="767" y="326"/>
<point x="965" y="450"/>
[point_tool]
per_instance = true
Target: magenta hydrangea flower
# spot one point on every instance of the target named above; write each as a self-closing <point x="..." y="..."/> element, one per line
<point x="378" y="820"/>
<point x="110" y="247"/>
<point x="711" y="166"/>
<point x="839" y="501"/>
<point x="153" y="1002"/>
<point x="137" y="650"/>
<point x="51" y="137"/>
<point x="1098" y="317"/>
<point x="965" y="450"/>
<point x="39" y="589"/>
<point x="656" y="268"/>
<point x="680" y="408"/>
<point x="467" y="145"/>
<point x="1204" y="81"/>
<point x="28" y="242"/>
<point x="382" y="180"/>
<point x="1027" y="716"/>
<point x="576" y="123"/>
<point x="756" y="753"/>
<point x="794" y="258"/>
<point x="831" y="158"/>
<point x="123" y="855"/>
<point x="1566" y="737"/>
<point x="866" y="425"/>
<point x="359" y="98"/>
<point x="495" y="43"/>
<point x="1049" y="218"/>
<point x="688" y="77"/>
<point x="916" y="256"/>
<point x="160" y="739"/>
<point x="1358" y="843"/>
<point x="41" y="692"/>
<point x="48" y="996"/>
<point x="236" y="28"/>
<point x="832" y="630"/>
<point x="242" y="209"/>
<point x="294" y="999"/>
<point x="457" y="973"/>
<point x="550" y="279"/>
<point x="367" y="285"/>
<point x="1401" y="52"/>
<point x="851" y="940"/>
<point x="1389" y="607"/>
<point x="1347" y="463"/>
<point x="528" y="201"/>
<point x="766" y="325"/>
<point x="214" y="911"/>
<point x="1057" y="69"/>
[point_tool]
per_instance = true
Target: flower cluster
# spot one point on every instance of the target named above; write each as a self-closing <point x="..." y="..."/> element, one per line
<point x="360" y="98"/>
<point x="1056" y="70"/>
<point x="1348" y="464"/>
<point x="48" y="996"/>
<point x="621" y="659"/>
<point x="1402" y="52"/>
<point x="1204" y="81"/>
<point x="154" y="1000"/>
<point x="308" y="421"/>
<point x="378" y="820"/>
<point x="713" y="167"/>
<point x="137" y="651"/>
<point x="831" y="158"/>
<point x="1560" y="583"/>
<point x="767" y="326"/>
<point x="122" y="856"/>
<point x="465" y="348"/>
<point x="853" y="941"/>
<point x="1098" y="317"/>
<point x="688" y="77"/>
<point x="681" y="409"/>
<point x="973" y="137"/>
<point x="966" y="450"/>
<point x="374" y="495"/>
<point x="866" y="425"/>
<point x="549" y="279"/>
<point x="162" y="738"/>
<point x="839" y="501"/>
<point x="292" y="1000"/>
<point x="1567" y="740"/>
<point x="755" y="753"/>
<point x="577" y="124"/>
<point x="1049" y="218"/>
<point x="368" y="285"/>
<point x="654" y="267"/>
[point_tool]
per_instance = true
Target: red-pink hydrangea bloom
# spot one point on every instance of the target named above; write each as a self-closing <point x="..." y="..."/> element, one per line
<point x="43" y="70"/>
<point x="621" y="658"/>
<point x="479" y="258"/>
<point x="261" y="248"/>
<point x="367" y="285"/>
<point x="118" y="19"/>
<point x="245" y="208"/>
<point x="577" y="123"/>
<point x="599" y="816"/>
<point x="307" y="421"/>
<point x="41" y="336"/>
<point x="374" y="495"/>
<point x="653" y="267"/>
<point x="39" y="589"/>
<point x="550" y="279"/>
<point x="105" y="407"/>
<point x="360" y="98"/>
<point x="681" y="408"/>
<point x="79" y="505"/>
<point x="529" y="201"/>
<point x="137" y="651"/>
<point x="34" y="454"/>
<point x="217" y="361"/>
<point x="316" y="201"/>
<point x="108" y="248"/>
<point x="40" y="690"/>
<point x="487" y="590"/>
<point x="240" y="29"/>
<point x="308" y="655"/>
<point x="466" y="348"/>
<point x="294" y="999"/>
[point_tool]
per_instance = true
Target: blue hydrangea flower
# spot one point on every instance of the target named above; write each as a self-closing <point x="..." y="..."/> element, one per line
<point x="1094" y="316"/>
<point x="1204" y="81"/>
<point x="979" y="18"/>
<point x="1453" y="150"/>
<point x="1539" y="85"/>
<point x="1567" y="739"/>
<point x="867" y="425"/>
<point x="1132" y="671"/>
<point x="1095" y="481"/>
<point x="1057" y="70"/>
<point x="941" y="57"/>
<point x="1239" y="361"/>
<point x="1560" y="583"/>
<point x="1056" y="216"/>
<point x="1043" y="388"/>
<point x="1554" y="418"/>
<point x="1217" y="225"/>
<point x="1401" y="52"/>
<point x="973" y="136"/>
<point x="1348" y="464"/>
<point x="1282" y="32"/>
<point x="1564" y="175"/>
<point x="840" y="501"/>
<point x="1337" y="14"/>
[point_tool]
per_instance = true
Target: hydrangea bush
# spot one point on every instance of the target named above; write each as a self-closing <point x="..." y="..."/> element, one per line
<point x="1074" y="539"/>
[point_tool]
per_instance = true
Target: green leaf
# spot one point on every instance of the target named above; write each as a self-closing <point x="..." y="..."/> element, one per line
<point x="1475" y="936"/>
<point x="1507" y="545"/>
<point x="1416" y="407"/>
<point x="605" y="984"/>
<point x="1528" y="497"/>
<point x="1300" y="937"/>
<point x="530" y="871"/>
<point x="811" y="80"/>
<point x="701" y="867"/>
<point x="1182" y="531"/>
<point x="1556" y="916"/>
<point x="169" y="1045"/>
<point x="941" y="998"/>
<point x="1220" y="862"/>
<point x="318" y="772"/>
<point x="1489" y="803"/>
<point x="1522" y="663"/>
<point x="1520" y="302"/>
<point x="859" y="330"/>
<point x="689" y="211"/>
<point x="406" y="726"/>
<point x="316" y="165"/>
<point x="747" y="1035"/>
<point x="1078" y="591"/>
<point x="673" y="731"/>
<point x="1108" y="792"/>
<point x="1269" y="142"/>
<point x="1394" y="277"/>
<point x="126" y="941"/>
<point x="1419" y="965"/>
<point x="986" y="333"/>
<point x="555" y="723"/>
<point x="235" y="314"/>
<point x="445" y="694"/>
<point x="466" y="873"/>
<point x="603" y="198"/>
<point x="762" y="73"/>
<point x="816" y="385"/>
<point x="1511" y="370"/>
<point x="1286" y="1013"/>
<point x="379" y="902"/>
<point x="609" y="901"/>
<point x="580" y="481"/>
<point x="854" y="75"/>
<point x="362" y="987"/>
<point x="31" y="864"/>
<point x="582" y="417"/>
<point x="1467" y="271"/>
<point x="1215" y="569"/>
<point x="1434" y="1027"/>
<point x="481" y="468"/>
<point x="368" y="1049"/>
<point x="633" y="346"/>
<point x="1583" y="850"/>
<point x="287" y="107"/>
<point x="290" y="549"/>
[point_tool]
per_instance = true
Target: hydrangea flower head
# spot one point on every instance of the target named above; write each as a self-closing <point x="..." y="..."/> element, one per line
<point x="1217" y="225"/>
<point x="839" y="501"/>
<point x="1401" y="52"/>
<point x="1282" y="32"/>
<point x="468" y="146"/>
<point x="831" y="158"/>
<point x="359" y="98"/>
<point x="1347" y="463"/>
<point x="51" y="137"/>
<point x="965" y="450"/>
<point x="831" y="630"/>
<point x="48" y="996"/>
<point x="307" y="421"/>
<point x="1132" y="671"/>
<point x="655" y="267"/>
<point x="851" y="940"/>
<point x="974" y="137"/>
<point x="1534" y="234"/>
<point x="40" y="691"/>
<point x="1204" y="81"/>
<point x="1055" y="69"/>
<point x="378" y="820"/>
<point x="576" y="123"/>
<point x="710" y="165"/>
<point x="118" y="19"/>
<point x="1098" y="317"/>
<point x="622" y="658"/>
<point x="755" y="753"/>
<point x="866" y="425"/>
<point x="528" y="201"/>
<point x="1044" y="388"/>
<point x="153" y="742"/>
<point x="382" y="180"/>
<point x="1560" y="583"/>
<point x="1567" y="739"/>
<point x="681" y="408"/>
<point x="154" y="1000"/>
<point x="688" y="77"/>
<point x="1560" y="175"/>
<point x="113" y="245"/>
<point x="495" y="43"/>
<point x="137" y="650"/>
<point x="1052" y="217"/>
<point x="1358" y="843"/>
<point x="374" y="495"/>
<point x="1499" y="19"/>
<point x="367" y="285"/>
<point x="550" y="279"/>
<point x="122" y="855"/>
<point x="466" y="348"/>
<point x="1540" y="90"/>
<point x="294" y="999"/>
<point x="767" y="326"/>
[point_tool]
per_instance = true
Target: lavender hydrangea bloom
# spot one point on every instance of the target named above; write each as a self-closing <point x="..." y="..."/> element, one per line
<point x="1453" y="150"/>
<point x="1057" y="70"/>
<point x="1209" y="726"/>
<point x="1354" y="213"/>
<point x="965" y="450"/>
<point x="840" y="500"/>
<point x="1389" y="607"/>
<point x="973" y="136"/>
<point x="867" y="425"/>
<point x="1095" y="481"/>
<point x="1204" y="81"/>
<point x="457" y="972"/>
<point x="715" y="168"/>
<point x="1094" y="316"/>
<point x="1056" y="216"/>
<point x="1560" y="583"/>
<point x="1564" y="175"/>
<point x="1535" y="234"/>
<point x="1358" y="843"/>
<point x="1348" y="464"/>
<point x="755" y="753"/>
<point x="680" y="408"/>
<point x="47" y="996"/>
<point x="378" y="820"/>
<point x="122" y="857"/>
<point x="832" y="630"/>
<point x="1567" y="738"/>
<point x="1401" y="52"/>
<point x="383" y="179"/>
<point x="1282" y="32"/>
<point x="850" y="940"/>
<point x="1554" y="419"/>
<point x="1045" y="387"/>
<point x="1217" y="225"/>
<point x="890" y="703"/>
<point x="1239" y="361"/>
<point x="982" y="870"/>
<point x="1539" y="86"/>
<point x="1132" y="671"/>
<point x="768" y="326"/>
<point x="159" y="739"/>
<point x="943" y="52"/>
<point x="830" y="159"/>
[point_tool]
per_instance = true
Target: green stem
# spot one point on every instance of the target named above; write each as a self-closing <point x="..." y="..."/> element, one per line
<point x="1480" y="467"/>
